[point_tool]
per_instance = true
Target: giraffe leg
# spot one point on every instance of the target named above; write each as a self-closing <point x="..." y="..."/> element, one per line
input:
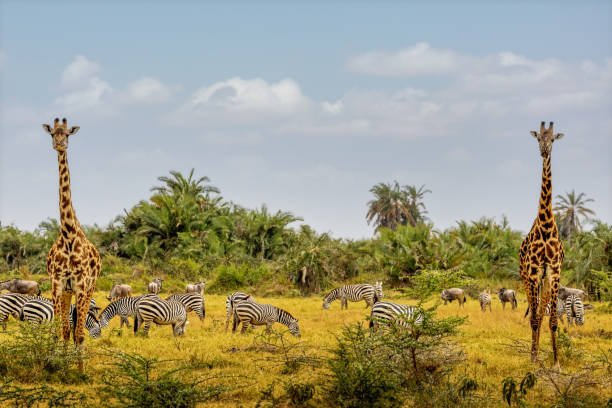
<point x="64" y="310"/>
<point x="532" y="295"/>
<point x="82" y="305"/>
<point x="552" y="322"/>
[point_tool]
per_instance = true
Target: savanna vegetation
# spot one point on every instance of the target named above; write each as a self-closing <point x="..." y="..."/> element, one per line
<point x="186" y="231"/>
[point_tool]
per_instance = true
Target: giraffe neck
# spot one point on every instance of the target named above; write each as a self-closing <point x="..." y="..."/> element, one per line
<point x="69" y="222"/>
<point x="545" y="211"/>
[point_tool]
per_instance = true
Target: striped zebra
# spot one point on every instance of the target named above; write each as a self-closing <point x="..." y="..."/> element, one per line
<point x="256" y="314"/>
<point x="151" y="309"/>
<point x="233" y="300"/>
<point x="123" y="307"/>
<point x="574" y="309"/>
<point x="485" y="300"/>
<point x="39" y="310"/>
<point x="10" y="305"/>
<point x="364" y="291"/>
<point x="388" y="312"/>
<point x="193" y="302"/>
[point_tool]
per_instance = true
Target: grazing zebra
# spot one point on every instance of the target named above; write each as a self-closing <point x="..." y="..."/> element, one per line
<point x="10" y="305"/>
<point x="388" y="312"/>
<point x="574" y="310"/>
<point x="155" y="286"/>
<point x="364" y="291"/>
<point x="152" y="309"/>
<point x="256" y="314"/>
<point x="123" y="307"/>
<point x="485" y="300"/>
<point x="39" y="310"/>
<point x="193" y="302"/>
<point x="233" y="300"/>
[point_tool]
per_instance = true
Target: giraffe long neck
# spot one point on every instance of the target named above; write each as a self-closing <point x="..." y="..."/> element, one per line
<point x="69" y="222"/>
<point x="545" y="211"/>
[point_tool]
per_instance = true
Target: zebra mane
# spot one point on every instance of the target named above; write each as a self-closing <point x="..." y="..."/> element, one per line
<point x="332" y="295"/>
<point x="284" y="313"/>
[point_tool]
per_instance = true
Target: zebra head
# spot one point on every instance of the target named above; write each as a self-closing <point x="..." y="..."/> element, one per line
<point x="179" y="328"/>
<point x="294" y="327"/>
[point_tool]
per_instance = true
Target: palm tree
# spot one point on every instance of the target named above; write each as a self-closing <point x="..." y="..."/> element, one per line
<point x="390" y="207"/>
<point x="415" y="204"/>
<point x="179" y="185"/>
<point x="570" y="209"/>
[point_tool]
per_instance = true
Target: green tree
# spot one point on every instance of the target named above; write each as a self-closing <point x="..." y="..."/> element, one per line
<point x="571" y="212"/>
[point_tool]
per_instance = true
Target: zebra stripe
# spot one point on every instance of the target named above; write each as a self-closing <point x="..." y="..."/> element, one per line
<point x="193" y="302"/>
<point x="122" y="307"/>
<point x="574" y="310"/>
<point x="162" y="312"/>
<point x="10" y="305"/>
<point x="246" y="313"/>
<point x="233" y="300"/>
<point x="485" y="300"/>
<point x="39" y="310"/>
<point x="364" y="291"/>
<point x="388" y="312"/>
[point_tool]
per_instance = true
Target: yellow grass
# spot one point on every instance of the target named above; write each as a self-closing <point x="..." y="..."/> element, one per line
<point x="486" y="339"/>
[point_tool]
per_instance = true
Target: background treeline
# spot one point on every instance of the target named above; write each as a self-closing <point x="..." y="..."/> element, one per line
<point x="186" y="231"/>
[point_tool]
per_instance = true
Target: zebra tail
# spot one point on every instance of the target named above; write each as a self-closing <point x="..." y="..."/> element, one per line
<point x="136" y="321"/>
<point x="371" y="323"/>
<point x="21" y="316"/>
<point x="234" y="321"/>
<point x="39" y="292"/>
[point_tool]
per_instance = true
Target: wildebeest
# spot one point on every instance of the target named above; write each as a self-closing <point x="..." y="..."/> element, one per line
<point x="195" y="287"/>
<point x="155" y="286"/>
<point x="507" y="295"/>
<point x="564" y="293"/>
<point x="119" y="291"/>
<point x="448" y="295"/>
<point x="25" y="287"/>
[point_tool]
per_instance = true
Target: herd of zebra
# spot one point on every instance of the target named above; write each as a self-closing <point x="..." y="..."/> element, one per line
<point x="246" y="311"/>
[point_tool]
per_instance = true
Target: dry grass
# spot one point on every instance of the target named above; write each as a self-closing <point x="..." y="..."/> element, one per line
<point x="496" y="345"/>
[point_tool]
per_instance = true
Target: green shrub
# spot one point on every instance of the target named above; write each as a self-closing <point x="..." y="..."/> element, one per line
<point x="136" y="381"/>
<point x="237" y="276"/>
<point x="41" y="357"/>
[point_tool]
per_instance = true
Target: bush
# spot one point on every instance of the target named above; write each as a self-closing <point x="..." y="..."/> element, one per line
<point x="137" y="381"/>
<point x="236" y="276"/>
<point x="34" y="354"/>
<point x="34" y="397"/>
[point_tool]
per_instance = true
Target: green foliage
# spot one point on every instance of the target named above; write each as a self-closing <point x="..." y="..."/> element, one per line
<point x="513" y="393"/>
<point x="430" y="282"/>
<point x="33" y="354"/>
<point x="236" y="276"/>
<point x="137" y="381"/>
<point x="400" y="362"/>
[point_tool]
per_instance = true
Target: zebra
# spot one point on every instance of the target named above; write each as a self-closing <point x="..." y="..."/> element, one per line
<point x="508" y="295"/>
<point x="364" y="291"/>
<point x="388" y="312"/>
<point x="233" y="300"/>
<point x="574" y="310"/>
<point x="123" y="307"/>
<point x="152" y="309"/>
<point x="485" y="300"/>
<point x="10" y="305"/>
<point x="192" y="302"/>
<point x="155" y="286"/>
<point x="39" y="310"/>
<point x="257" y="314"/>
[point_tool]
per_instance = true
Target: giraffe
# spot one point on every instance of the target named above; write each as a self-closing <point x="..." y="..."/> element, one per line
<point x="541" y="253"/>
<point x="73" y="262"/>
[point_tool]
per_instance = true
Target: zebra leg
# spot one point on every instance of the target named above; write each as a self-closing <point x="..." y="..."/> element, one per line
<point x="245" y="326"/>
<point x="3" y="320"/>
<point x="268" y="328"/>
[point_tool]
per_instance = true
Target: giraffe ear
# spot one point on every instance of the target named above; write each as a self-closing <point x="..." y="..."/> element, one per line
<point x="47" y="128"/>
<point x="558" y="136"/>
<point x="534" y="134"/>
<point x="73" y="130"/>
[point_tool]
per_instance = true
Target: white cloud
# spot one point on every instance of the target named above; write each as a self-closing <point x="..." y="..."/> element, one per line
<point x="80" y="72"/>
<point x="149" y="90"/>
<point x="419" y="59"/>
<point x="91" y="96"/>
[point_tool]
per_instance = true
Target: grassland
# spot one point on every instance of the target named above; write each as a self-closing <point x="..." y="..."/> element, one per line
<point x="495" y="345"/>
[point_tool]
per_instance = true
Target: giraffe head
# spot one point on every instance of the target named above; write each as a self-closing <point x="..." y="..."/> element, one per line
<point x="60" y="132"/>
<point x="546" y="137"/>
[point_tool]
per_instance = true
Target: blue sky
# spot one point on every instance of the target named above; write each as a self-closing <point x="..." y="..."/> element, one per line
<point x="305" y="107"/>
